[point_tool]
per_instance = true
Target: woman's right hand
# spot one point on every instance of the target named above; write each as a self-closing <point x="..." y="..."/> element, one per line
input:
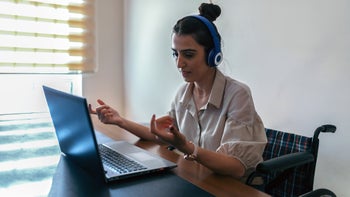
<point x="106" y="114"/>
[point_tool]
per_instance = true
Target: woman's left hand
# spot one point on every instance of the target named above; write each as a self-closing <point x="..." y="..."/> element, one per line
<point x="164" y="129"/>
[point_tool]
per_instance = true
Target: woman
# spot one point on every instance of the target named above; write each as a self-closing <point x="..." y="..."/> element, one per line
<point x="212" y="118"/>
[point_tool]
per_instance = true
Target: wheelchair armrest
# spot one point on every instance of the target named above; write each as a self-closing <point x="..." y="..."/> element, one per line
<point x="319" y="192"/>
<point x="328" y="128"/>
<point x="285" y="162"/>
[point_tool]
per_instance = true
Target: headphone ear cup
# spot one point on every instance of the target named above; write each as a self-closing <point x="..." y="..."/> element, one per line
<point x="214" y="58"/>
<point x="211" y="58"/>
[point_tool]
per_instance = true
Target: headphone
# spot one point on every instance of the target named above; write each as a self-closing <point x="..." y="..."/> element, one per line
<point x="215" y="56"/>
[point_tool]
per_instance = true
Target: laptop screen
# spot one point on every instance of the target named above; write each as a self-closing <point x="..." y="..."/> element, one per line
<point x="74" y="129"/>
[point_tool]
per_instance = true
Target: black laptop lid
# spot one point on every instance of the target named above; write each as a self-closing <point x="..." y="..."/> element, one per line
<point x="74" y="130"/>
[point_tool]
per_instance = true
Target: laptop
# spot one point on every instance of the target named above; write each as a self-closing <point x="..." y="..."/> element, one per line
<point x="110" y="161"/>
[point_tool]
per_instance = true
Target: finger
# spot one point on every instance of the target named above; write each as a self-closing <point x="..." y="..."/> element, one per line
<point x="103" y="114"/>
<point x="108" y="113"/>
<point x="101" y="109"/>
<point x="168" y="119"/>
<point x="174" y="131"/>
<point x="154" y="127"/>
<point x="92" y="111"/>
<point x="99" y="101"/>
<point x="152" y="124"/>
<point x="164" y="121"/>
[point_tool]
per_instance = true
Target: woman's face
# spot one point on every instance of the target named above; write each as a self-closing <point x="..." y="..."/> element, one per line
<point x="190" y="58"/>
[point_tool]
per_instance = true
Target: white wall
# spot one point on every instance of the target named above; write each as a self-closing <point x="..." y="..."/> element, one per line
<point x="151" y="74"/>
<point x="108" y="82"/>
<point x="293" y="55"/>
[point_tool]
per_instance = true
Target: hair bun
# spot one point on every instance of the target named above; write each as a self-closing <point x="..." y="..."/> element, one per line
<point x="209" y="11"/>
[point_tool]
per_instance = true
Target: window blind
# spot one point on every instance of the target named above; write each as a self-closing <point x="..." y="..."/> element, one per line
<point x="47" y="36"/>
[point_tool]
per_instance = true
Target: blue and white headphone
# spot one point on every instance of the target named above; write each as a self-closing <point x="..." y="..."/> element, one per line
<point x="215" y="56"/>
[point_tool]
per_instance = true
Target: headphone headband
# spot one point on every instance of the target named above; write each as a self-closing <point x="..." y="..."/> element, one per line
<point x="215" y="56"/>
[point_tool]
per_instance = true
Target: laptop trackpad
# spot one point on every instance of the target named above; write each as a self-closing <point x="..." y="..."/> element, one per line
<point x="133" y="151"/>
<point x="141" y="156"/>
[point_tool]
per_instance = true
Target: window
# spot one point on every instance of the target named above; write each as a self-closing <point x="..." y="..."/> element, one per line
<point x="42" y="42"/>
<point x="46" y="36"/>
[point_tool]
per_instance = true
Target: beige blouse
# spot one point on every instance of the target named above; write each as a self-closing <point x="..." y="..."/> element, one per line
<point x="228" y="123"/>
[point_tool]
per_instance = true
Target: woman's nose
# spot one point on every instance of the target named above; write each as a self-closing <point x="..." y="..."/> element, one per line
<point x="179" y="62"/>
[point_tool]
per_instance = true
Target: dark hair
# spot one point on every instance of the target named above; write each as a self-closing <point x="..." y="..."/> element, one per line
<point x="191" y="26"/>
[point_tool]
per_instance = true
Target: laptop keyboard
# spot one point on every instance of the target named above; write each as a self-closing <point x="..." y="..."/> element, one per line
<point x="118" y="162"/>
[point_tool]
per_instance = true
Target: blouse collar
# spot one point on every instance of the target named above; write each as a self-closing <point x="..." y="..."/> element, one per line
<point x="216" y="94"/>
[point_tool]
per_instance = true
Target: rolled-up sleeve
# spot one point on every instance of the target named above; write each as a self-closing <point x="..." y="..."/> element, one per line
<point x="244" y="143"/>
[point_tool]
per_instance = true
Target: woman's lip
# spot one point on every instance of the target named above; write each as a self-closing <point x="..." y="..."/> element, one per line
<point x="185" y="73"/>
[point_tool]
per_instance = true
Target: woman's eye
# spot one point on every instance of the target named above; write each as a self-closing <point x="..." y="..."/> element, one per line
<point x="188" y="55"/>
<point x="175" y="55"/>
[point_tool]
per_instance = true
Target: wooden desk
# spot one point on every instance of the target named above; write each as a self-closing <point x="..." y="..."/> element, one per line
<point x="193" y="172"/>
